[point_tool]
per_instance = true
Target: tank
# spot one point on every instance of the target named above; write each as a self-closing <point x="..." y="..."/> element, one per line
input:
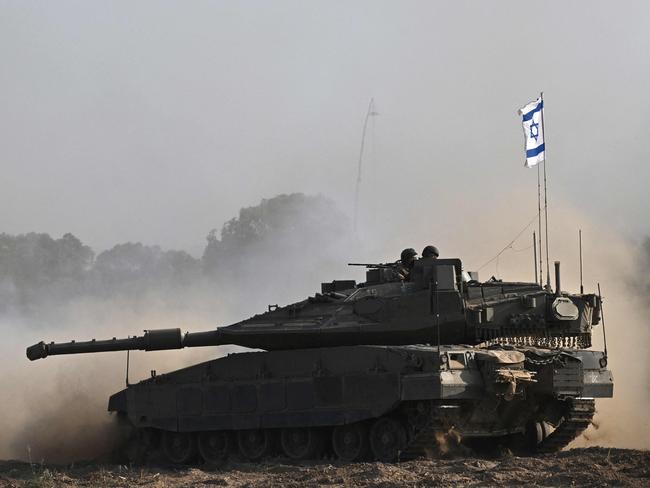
<point x="375" y="370"/>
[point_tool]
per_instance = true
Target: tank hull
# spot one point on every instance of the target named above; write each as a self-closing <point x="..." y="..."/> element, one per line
<point x="415" y="392"/>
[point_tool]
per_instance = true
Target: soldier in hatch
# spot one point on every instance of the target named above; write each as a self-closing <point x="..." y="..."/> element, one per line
<point x="430" y="252"/>
<point x="405" y="264"/>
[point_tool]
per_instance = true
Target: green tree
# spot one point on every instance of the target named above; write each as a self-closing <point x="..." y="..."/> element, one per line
<point x="285" y="228"/>
<point x="134" y="266"/>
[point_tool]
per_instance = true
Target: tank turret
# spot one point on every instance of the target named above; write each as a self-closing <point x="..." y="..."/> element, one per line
<point x="438" y="305"/>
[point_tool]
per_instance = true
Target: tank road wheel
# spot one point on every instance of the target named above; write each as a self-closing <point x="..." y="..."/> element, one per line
<point x="254" y="444"/>
<point x="526" y="442"/>
<point x="214" y="446"/>
<point x="140" y="444"/>
<point x="536" y="432"/>
<point x="387" y="439"/>
<point x="179" y="447"/>
<point x="350" y="442"/>
<point x="301" y="443"/>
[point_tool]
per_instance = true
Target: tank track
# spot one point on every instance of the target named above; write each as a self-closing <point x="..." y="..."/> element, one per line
<point x="423" y="441"/>
<point x="577" y="418"/>
<point x="426" y="439"/>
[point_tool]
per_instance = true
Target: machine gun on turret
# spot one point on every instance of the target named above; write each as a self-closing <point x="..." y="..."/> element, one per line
<point x="374" y="265"/>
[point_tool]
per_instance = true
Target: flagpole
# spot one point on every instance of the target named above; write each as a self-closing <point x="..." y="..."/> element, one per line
<point x="535" y="255"/>
<point x="548" y="279"/>
<point x="539" y="234"/>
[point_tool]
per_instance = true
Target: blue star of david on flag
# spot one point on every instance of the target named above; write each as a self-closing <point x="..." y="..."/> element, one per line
<point x="532" y="115"/>
<point x="534" y="131"/>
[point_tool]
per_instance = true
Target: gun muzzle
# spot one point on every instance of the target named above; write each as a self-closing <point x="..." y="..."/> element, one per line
<point x="37" y="351"/>
<point x="151" y="340"/>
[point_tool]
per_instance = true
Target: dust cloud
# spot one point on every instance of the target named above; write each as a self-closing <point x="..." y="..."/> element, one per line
<point x="54" y="409"/>
<point x="619" y="265"/>
<point x="477" y="231"/>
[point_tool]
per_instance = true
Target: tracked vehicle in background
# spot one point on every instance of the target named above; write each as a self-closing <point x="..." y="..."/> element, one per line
<point x="374" y="370"/>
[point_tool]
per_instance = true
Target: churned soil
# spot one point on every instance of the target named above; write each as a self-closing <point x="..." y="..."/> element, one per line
<point x="589" y="467"/>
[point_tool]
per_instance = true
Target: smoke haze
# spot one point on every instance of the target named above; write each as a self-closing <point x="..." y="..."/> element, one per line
<point x="154" y="122"/>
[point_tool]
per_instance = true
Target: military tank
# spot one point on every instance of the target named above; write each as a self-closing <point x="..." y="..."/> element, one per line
<point x="374" y="370"/>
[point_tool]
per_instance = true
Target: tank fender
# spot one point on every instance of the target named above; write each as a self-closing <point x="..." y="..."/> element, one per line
<point x="118" y="402"/>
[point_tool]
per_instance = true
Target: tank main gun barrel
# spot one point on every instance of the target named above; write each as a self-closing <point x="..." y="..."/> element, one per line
<point x="151" y="340"/>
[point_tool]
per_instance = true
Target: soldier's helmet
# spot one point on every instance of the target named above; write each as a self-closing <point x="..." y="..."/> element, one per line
<point x="430" y="252"/>
<point x="408" y="254"/>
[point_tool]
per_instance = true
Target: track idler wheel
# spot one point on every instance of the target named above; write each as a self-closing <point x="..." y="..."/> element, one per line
<point x="535" y="434"/>
<point x="387" y="439"/>
<point x="140" y="445"/>
<point x="350" y="442"/>
<point x="301" y="443"/>
<point x="215" y="446"/>
<point x="254" y="444"/>
<point x="179" y="447"/>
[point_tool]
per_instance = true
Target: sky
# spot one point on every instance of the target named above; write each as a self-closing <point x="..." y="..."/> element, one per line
<point x="156" y="121"/>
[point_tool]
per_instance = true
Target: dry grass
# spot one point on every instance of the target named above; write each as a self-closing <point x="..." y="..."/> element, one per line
<point x="577" y="467"/>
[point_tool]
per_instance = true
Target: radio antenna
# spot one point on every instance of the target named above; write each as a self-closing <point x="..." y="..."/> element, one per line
<point x="127" y="367"/>
<point x="582" y="288"/>
<point x="602" y="316"/>
<point x="437" y="316"/>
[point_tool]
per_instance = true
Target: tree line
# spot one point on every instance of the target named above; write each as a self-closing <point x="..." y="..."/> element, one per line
<point x="36" y="268"/>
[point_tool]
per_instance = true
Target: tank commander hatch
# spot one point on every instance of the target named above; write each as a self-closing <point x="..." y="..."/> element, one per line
<point x="405" y="264"/>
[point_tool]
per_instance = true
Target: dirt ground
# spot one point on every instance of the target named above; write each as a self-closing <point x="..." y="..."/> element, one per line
<point x="595" y="466"/>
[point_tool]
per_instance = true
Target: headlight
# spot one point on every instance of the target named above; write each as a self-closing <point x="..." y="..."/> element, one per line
<point x="564" y="309"/>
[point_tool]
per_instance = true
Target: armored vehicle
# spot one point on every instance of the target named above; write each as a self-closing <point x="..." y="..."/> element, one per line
<point x="374" y="370"/>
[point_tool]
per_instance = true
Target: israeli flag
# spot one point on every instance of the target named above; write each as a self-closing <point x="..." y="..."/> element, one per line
<point x="532" y="115"/>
